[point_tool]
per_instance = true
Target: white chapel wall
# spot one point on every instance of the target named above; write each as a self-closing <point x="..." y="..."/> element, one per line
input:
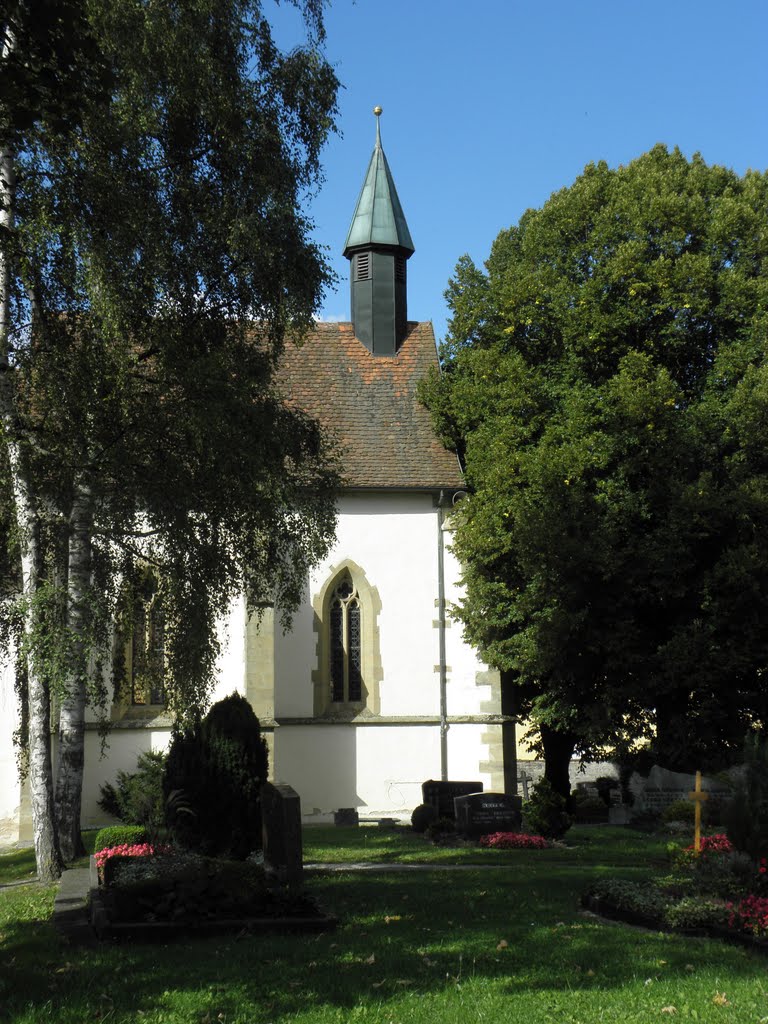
<point x="10" y="787"/>
<point x="393" y="540"/>
<point x="379" y="767"/>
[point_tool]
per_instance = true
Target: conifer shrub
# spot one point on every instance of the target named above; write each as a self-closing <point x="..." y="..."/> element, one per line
<point x="213" y="780"/>
<point x="119" y="835"/>
<point x="545" y="814"/>
<point x="746" y="814"/>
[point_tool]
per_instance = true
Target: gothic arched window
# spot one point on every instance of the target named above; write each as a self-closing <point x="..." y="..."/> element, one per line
<point x="145" y="656"/>
<point x="347" y="674"/>
<point x="345" y="648"/>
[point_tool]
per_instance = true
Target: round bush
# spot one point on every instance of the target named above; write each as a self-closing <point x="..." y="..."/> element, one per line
<point x="119" y="835"/>
<point x="422" y="816"/>
<point x="679" y="810"/>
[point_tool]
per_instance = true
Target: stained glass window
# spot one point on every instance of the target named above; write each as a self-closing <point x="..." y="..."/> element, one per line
<point x="345" y="645"/>
<point x="147" y="658"/>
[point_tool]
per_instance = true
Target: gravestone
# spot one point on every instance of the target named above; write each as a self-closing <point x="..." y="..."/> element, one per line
<point x="281" y="832"/>
<point x="479" y="814"/>
<point x="663" y="787"/>
<point x="441" y="795"/>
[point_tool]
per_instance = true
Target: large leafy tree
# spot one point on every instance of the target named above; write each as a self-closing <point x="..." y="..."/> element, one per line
<point x="605" y="379"/>
<point x="153" y="258"/>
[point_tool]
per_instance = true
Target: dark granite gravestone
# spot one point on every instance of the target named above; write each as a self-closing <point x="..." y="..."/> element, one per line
<point x="441" y="795"/>
<point x="479" y="814"/>
<point x="281" y="832"/>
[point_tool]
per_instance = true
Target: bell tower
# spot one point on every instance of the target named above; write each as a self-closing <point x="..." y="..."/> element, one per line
<point x="378" y="247"/>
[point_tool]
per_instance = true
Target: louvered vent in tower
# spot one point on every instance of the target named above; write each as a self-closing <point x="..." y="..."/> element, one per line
<point x="363" y="266"/>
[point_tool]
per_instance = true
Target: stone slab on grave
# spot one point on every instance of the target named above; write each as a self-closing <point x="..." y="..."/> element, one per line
<point x="479" y="814"/>
<point x="346" y="816"/>
<point x="281" y="833"/>
<point x="663" y="787"/>
<point x="440" y="794"/>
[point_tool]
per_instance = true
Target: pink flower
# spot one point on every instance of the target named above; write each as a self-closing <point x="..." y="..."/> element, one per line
<point x="513" y="841"/>
<point x="751" y="915"/>
<point x="718" y="843"/>
<point x="128" y="850"/>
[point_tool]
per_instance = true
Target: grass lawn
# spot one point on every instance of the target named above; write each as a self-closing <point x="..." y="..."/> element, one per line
<point x="500" y="943"/>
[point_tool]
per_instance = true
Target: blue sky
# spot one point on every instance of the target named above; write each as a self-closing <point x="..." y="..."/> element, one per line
<point x="490" y="107"/>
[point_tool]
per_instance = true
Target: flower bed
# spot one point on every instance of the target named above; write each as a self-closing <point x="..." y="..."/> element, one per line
<point x="718" y="891"/>
<point x="514" y="841"/>
<point x="714" y="844"/>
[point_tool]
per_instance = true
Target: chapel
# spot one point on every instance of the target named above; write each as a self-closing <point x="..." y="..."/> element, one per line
<point x="374" y="690"/>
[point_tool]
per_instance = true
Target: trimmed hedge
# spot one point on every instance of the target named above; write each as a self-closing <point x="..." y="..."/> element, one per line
<point x="119" y="835"/>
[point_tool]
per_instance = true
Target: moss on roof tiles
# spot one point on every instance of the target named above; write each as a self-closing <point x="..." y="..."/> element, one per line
<point x="370" y="406"/>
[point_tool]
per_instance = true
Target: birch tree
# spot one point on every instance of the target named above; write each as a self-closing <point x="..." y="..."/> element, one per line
<point x="154" y="257"/>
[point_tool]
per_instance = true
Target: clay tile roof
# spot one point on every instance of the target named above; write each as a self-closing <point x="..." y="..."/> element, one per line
<point x="369" y="404"/>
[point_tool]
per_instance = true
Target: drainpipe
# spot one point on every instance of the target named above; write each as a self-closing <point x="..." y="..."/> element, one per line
<point x="441" y="641"/>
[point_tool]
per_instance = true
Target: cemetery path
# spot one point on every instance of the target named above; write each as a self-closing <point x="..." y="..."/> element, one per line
<point x="331" y="866"/>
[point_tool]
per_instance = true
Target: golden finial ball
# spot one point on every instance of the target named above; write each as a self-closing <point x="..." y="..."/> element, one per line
<point x="377" y="111"/>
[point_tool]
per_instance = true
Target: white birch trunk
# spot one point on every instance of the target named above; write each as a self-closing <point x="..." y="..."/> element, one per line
<point x="71" y="750"/>
<point x="40" y="772"/>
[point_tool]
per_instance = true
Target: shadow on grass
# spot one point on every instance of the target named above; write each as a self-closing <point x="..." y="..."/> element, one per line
<point x="583" y="844"/>
<point x="18" y="865"/>
<point x="428" y="935"/>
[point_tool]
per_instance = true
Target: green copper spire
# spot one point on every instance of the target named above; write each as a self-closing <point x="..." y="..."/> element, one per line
<point x="378" y="218"/>
<point x="378" y="248"/>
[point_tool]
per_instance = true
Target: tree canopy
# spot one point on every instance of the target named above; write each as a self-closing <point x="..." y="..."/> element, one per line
<point x="605" y="381"/>
<point x="154" y="257"/>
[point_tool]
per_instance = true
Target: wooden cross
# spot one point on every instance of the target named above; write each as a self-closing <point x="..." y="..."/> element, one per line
<point x="699" y="796"/>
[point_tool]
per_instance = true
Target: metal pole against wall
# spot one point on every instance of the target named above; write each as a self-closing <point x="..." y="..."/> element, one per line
<point x="441" y="641"/>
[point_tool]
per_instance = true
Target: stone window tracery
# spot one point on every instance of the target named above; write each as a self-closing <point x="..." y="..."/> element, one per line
<point x="345" y="649"/>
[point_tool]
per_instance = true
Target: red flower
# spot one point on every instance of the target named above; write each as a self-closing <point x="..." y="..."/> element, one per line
<point x="514" y="841"/>
<point x="751" y="915"/>
<point x="718" y="843"/>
